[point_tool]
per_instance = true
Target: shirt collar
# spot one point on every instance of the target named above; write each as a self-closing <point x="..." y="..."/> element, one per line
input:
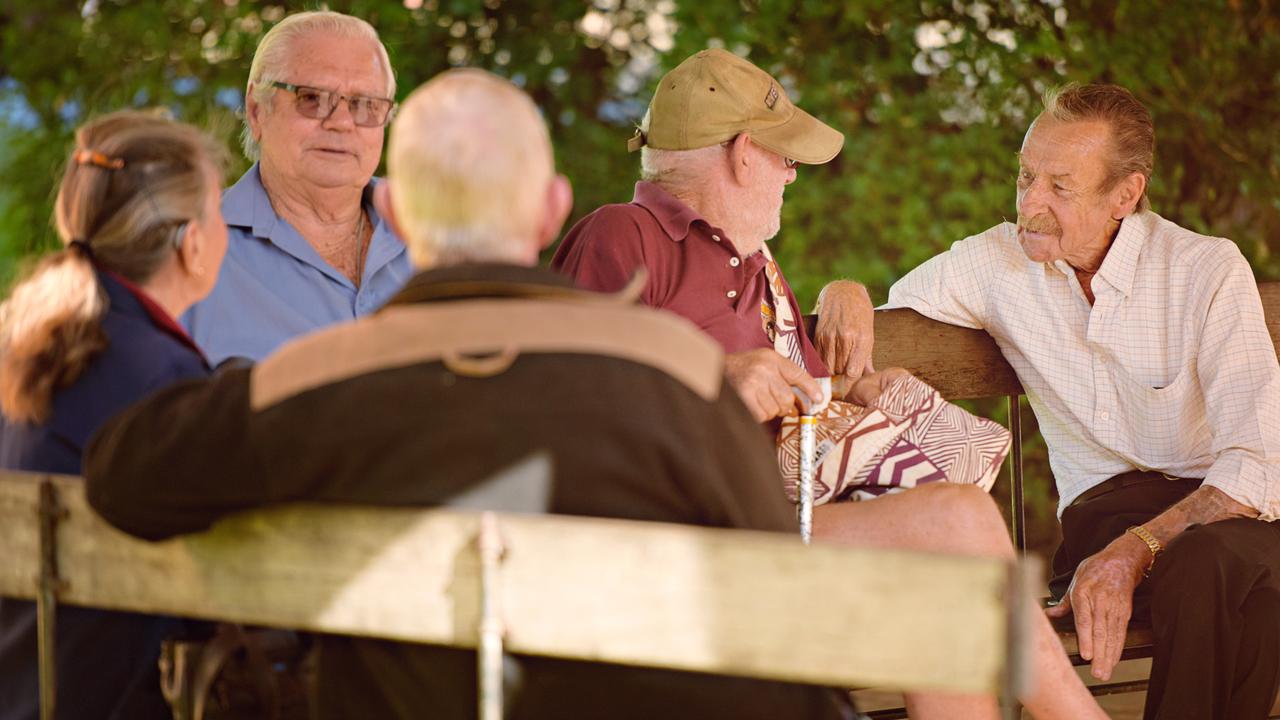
<point x="672" y="214"/>
<point x="246" y="204"/>
<point x="497" y="280"/>
<point x="127" y="298"/>
<point x="1121" y="263"/>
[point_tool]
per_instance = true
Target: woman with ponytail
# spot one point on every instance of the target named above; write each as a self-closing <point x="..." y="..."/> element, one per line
<point x="91" y="330"/>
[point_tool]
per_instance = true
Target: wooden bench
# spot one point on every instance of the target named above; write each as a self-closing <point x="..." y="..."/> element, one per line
<point x="966" y="364"/>
<point x="730" y="602"/>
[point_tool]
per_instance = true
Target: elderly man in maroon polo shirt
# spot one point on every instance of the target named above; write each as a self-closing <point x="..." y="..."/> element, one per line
<point x="703" y="242"/>
<point x="720" y="142"/>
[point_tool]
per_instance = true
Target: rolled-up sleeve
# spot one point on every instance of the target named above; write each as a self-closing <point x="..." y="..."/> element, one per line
<point x="1240" y="377"/>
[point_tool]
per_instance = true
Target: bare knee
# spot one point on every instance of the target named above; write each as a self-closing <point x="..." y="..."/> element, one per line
<point x="956" y="500"/>
<point x="939" y="517"/>
<point x="968" y="516"/>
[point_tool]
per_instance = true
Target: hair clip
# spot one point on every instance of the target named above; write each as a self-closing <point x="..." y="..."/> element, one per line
<point x="93" y="157"/>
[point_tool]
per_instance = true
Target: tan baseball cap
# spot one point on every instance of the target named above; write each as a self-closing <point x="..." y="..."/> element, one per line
<point x="715" y="95"/>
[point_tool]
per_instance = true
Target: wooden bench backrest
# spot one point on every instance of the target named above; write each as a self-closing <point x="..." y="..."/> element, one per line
<point x="722" y="601"/>
<point x="963" y="363"/>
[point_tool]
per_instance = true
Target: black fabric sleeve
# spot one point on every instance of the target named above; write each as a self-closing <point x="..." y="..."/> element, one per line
<point x="741" y="466"/>
<point x="177" y="461"/>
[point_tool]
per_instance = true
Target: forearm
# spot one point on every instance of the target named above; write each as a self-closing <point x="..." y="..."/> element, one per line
<point x="1205" y="505"/>
<point x="177" y="461"/>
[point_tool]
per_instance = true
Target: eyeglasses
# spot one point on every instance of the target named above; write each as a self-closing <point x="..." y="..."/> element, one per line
<point x="319" y="104"/>
<point x="790" y="163"/>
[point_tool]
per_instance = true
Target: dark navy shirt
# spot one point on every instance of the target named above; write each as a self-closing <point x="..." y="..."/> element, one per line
<point x="106" y="660"/>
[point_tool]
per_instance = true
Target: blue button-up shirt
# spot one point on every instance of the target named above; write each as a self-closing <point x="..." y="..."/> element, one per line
<point x="274" y="286"/>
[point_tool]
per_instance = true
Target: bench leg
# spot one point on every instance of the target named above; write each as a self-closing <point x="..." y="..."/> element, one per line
<point x="1017" y="513"/>
<point x="489" y="654"/>
<point x="49" y="584"/>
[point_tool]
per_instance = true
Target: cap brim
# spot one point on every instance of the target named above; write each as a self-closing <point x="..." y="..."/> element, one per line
<point x="804" y="138"/>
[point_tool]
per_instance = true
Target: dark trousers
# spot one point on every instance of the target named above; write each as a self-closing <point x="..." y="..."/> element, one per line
<point x="1213" y="601"/>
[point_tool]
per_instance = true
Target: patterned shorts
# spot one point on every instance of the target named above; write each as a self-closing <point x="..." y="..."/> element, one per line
<point x="908" y="437"/>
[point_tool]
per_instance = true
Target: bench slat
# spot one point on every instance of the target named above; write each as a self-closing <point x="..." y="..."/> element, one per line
<point x="963" y="363"/>
<point x="959" y="362"/>
<point x="732" y="602"/>
<point x="1137" y="644"/>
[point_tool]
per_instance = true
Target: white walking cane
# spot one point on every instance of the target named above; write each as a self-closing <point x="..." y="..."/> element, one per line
<point x="808" y="455"/>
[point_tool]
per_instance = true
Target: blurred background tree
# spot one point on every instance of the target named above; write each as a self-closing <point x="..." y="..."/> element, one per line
<point x="933" y="98"/>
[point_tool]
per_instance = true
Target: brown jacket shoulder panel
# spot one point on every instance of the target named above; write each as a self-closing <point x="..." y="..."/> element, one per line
<point x="483" y="337"/>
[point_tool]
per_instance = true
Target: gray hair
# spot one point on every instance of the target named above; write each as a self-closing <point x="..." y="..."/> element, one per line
<point x="676" y="170"/>
<point x="152" y="176"/>
<point x="270" y="61"/>
<point x="1133" y="134"/>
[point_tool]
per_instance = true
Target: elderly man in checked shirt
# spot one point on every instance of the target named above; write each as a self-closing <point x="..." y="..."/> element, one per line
<point x="1144" y="353"/>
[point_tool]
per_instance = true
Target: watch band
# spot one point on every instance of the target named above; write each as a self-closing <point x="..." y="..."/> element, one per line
<point x="1152" y="544"/>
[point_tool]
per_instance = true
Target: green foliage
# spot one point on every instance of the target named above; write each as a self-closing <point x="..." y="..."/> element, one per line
<point x="933" y="98"/>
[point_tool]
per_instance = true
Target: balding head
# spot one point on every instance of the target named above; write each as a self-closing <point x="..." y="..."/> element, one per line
<point x="470" y="173"/>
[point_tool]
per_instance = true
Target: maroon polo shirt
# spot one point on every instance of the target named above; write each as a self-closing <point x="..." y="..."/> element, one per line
<point x="694" y="268"/>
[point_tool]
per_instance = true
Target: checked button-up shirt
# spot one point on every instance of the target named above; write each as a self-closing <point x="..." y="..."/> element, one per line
<point x="1171" y="369"/>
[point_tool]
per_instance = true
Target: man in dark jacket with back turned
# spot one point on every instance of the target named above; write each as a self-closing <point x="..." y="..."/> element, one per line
<point x="413" y="407"/>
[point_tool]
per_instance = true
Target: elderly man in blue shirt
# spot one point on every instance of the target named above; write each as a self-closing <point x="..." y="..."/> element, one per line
<point x="307" y="249"/>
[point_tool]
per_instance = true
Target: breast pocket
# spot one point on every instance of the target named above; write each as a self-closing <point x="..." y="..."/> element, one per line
<point x="1162" y="425"/>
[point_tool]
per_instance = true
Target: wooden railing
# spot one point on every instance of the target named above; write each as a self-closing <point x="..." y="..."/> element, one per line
<point x="730" y="602"/>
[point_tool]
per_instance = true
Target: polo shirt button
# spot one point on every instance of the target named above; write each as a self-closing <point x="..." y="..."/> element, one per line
<point x="732" y="293"/>
<point x="734" y="262"/>
<point x="716" y="238"/>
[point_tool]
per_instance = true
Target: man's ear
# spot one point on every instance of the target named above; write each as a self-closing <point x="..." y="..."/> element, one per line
<point x="386" y="209"/>
<point x="253" y="111"/>
<point x="1126" y="195"/>
<point x="740" y="159"/>
<point x="558" y="203"/>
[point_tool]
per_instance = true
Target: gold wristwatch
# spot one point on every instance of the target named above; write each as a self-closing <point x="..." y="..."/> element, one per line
<point x="1152" y="544"/>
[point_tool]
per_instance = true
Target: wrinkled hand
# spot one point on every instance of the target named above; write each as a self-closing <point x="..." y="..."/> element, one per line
<point x="846" y="328"/>
<point x="869" y="386"/>
<point x="763" y="379"/>
<point x="1101" y="596"/>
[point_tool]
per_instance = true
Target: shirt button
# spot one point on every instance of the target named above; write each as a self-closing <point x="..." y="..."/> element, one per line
<point x="1104" y="416"/>
<point x="732" y="293"/>
<point x="716" y="238"/>
<point x="734" y="262"/>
